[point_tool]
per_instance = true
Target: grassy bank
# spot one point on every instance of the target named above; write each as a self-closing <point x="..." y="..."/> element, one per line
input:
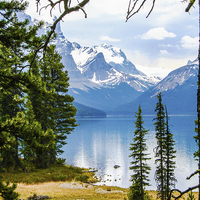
<point x="53" y="173"/>
<point x="65" y="182"/>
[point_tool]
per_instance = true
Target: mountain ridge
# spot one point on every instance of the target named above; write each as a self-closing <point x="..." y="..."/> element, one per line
<point x="102" y="77"/>
<point x="179" y="90"/>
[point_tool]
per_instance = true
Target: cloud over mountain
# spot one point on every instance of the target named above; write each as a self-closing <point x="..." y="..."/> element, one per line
<point x="157" y="34"/>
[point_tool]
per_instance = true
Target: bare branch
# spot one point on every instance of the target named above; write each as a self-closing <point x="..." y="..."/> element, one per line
<point x="128" y="15"/>
<point x="151" y="8"/>
<point x="67" y="10"/>
<point x="181" y="193"/>
<point x="191" y="175"/>
<point x="131" y="11"/>
<point x="186" y="191"/>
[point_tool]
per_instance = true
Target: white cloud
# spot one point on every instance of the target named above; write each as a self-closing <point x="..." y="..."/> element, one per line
<point x="157" y="34"/>
<point x="164" y="53"/>
<point x="107" y="38"/>
<point x="189" y="42"/>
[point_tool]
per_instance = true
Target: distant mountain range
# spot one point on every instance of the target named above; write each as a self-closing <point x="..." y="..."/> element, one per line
<point x="101" y="77"/>
<point x="179" y="90"/>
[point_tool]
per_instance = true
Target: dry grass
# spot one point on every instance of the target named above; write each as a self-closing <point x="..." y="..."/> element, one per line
<point x="52" y="190"/>
<point x="184" y="197"/>
<point x="46" y="182"/>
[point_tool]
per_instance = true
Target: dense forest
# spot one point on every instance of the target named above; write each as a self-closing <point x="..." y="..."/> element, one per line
<point x="36" y="113"/>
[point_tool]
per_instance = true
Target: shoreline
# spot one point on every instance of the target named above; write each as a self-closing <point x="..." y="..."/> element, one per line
<point x="77" y="190"/>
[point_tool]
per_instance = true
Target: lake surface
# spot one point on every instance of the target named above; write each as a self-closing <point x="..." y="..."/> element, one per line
<point x="101" y="143"/>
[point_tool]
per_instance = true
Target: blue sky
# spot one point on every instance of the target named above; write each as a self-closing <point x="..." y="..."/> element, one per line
<point x="168" y="38"/>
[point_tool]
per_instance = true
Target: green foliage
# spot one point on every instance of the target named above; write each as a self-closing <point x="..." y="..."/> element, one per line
<point x="7" y="192"/>
<point x="160" y="151"/>
<point x="164" y="152"/>
<point x="135" y="194"/>
<point x="139" y="165"/>
<point x="60" y="161"/>
<point x="191" y="196"/>
<point x="170" y="156"/>
<point x="36" y="113"/>
<point x="53" y="173"/>
<point x="196" y="154"/>
<point x="82" y="178"/>
<point x="54" y="110"/>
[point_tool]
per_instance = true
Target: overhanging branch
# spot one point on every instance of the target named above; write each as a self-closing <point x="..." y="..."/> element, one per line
<point x="67" y="9"/>
<point x="132" y="11"/>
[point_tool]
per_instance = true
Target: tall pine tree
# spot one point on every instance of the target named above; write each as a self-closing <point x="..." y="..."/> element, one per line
<point x="21" y="68"/>
<point x="54" y="110"/>
<point x="170" y="156"/>
<point x="16" y="39"/>
<point x="160" y="150"/>
<point x="164" y="152"/>
<point x="139" y="164"/>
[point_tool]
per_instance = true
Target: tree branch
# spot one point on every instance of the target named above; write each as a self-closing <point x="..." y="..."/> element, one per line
<point x="181" y="193"/>
<point x="131" y="11"/>
<point x="184" y="192"/>
<point x="67" y="10"/>
<point x="151" y="8"/>
<point x="191" y="175"/>
<point x="189" y="5"/>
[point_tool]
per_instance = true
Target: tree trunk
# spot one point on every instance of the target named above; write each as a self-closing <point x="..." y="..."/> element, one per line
<point x="16" y="153"/>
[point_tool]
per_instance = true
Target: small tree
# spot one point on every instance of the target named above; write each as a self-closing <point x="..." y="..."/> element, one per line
<point x="139" y="165"/>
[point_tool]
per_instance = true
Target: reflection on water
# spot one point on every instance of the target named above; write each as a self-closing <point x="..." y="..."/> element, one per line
<point x="101" y="143"/>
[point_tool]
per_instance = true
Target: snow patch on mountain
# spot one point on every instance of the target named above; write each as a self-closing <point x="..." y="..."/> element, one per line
<point x="111" y="54"/>
<point x="178" y="77"/>
<point x="82" y="55"/>
<point x="195" y="62"/>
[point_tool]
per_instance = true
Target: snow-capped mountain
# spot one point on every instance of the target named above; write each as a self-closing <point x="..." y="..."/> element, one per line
<point x="101" y="76"/>
<point x="108" y="66"/>
<point x="112" y="55"/>
<point x="178" y="77"/>
<point x="179" y="90"/>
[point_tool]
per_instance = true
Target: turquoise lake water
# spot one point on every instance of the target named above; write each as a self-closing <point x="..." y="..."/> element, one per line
<point x="101" y="143"/>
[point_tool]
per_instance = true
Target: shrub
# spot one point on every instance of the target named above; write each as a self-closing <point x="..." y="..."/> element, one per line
<point x="7" y="192"/>
<point x="82" y="178"/>
<point x="191" y="196"/>
<point x="60" y="161"/>
<point x="60" y="177"/>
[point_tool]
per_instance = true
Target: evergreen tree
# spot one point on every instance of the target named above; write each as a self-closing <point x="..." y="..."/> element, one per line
<point x="16" y="39"/>
<point x="164" y="152"/>
<point x="54" y="110"/>
<point x="41" y="125"/>
<point x="160" y="150"/>
<point x="139" y="165"/>
<point x="8" y="193"/>
<point x="170" y="156"/>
